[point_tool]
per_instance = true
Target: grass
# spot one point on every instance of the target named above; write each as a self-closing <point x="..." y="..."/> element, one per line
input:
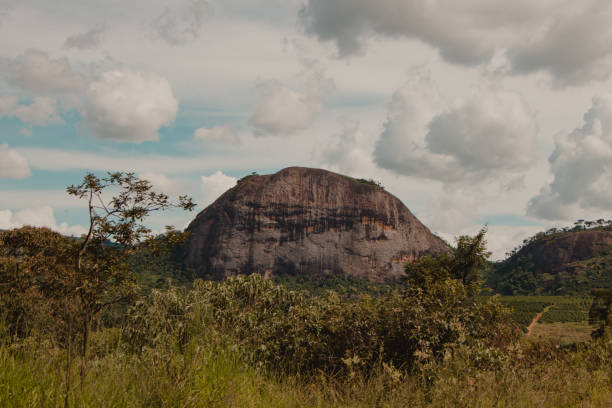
<point x="563" y="333"/>
<point x="212" y="374"/>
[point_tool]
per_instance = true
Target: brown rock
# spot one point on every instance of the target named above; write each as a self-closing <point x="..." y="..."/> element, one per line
<point x="306" y="221"/>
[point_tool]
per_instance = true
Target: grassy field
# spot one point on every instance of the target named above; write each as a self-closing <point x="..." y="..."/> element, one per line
<point x="562" y="333"/>
<point x="211" y="373"/>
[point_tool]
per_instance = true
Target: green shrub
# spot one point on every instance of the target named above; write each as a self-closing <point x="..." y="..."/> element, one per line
<point x="289" y="331"/>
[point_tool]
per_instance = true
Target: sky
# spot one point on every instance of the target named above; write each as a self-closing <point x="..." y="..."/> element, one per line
<point x="472" y="112"/>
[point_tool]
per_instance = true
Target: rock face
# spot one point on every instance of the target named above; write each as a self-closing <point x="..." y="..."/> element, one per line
<point x="306" y="221"/>
<point x="572" y="262"/>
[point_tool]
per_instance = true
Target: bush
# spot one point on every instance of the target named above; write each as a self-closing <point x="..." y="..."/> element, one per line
<point x="289" y="331"/>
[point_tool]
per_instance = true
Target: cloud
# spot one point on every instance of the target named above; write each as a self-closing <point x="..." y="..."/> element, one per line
<point x="129" y="106"/>
<point x="347" y="154"/>
<point x="37" y="217"/>
<point x="219" y="134"/>
<point x="42" y="111"/>
<point x="166" y="185"/>
<point x="215" y="185"/>
<point x="65" y="159"/>
<point x="12" y="164"/>
<point x="6" y="7"/>
<point x="582" y="169"/>
<point x="491" y="133"/>
<point x="500" y="238"/>
<point x="35" y="71"/>
<point x="284" y="109"/>
<point x="7" y="105"/>
<point x="183" y="25"/>
<point x="574" y="47"/>
<point x="88" y="40"/>
<point x="570" y="40"/>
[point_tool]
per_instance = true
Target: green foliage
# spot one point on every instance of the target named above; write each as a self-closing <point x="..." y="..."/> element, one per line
<point x="370" y="182"/>
<point x="58" y="288"/>
<point x="525" y="308"/>
<point x="347" y="287"/>
<point x="248" y="177"/>
<point x="562" y="309"/>
<point x="212" y="372"/>
<point x="464" y="265"/>
<point x="600" y="312"/>
<point x="289" y="331"/>
<point x="37" y="282"/>
<point x="527" y="272"/>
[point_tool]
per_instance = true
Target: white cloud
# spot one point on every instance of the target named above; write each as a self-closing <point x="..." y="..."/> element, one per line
<point x="215" y="185"/>
<point x="349" y="154"/>
<point x="12" y="164"/>
<point x="64" y="159"/>
<point x="491" y="133"/>
<point x="163" y="184"/>
<point x="219" y="134"/>
<point x="284" y="109"/>
<point x="88" y="40"/>
<point x="182" y="25"/>
<point x="501" y="239"/>
<point x="35" y="71"/>
<point x="582" y="168"/>
<point x="5" y="8"/>
<point x="129" y="106"/>
<point x="574" y="46"/>
<point x="7" y="105"/>
<point x="37" y="217"/>
<point x="42" y="111"/>
<point x="570" y="40"/>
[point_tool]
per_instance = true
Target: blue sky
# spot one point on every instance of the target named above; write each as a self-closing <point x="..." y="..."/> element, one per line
<point x="472" y="112"/>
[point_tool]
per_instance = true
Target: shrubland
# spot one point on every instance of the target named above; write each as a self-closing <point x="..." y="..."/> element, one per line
<point x="433" y="341"/>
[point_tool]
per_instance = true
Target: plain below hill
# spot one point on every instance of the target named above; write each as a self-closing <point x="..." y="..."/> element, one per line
<point x="558" y="262"/>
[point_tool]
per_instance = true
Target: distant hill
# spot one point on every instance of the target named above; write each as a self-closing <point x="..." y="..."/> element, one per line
<point x="558" y="262"/>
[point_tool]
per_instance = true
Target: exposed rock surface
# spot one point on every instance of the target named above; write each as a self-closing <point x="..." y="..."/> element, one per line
<point x="572" y="262"/>
<point x="306" y="221"/>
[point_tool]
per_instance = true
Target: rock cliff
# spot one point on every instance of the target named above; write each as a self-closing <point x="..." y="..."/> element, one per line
<point x="570" y="262"/>
<point x="306" y="221"/>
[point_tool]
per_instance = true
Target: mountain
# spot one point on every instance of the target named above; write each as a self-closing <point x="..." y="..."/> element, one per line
<point x="303" y="221"/>
<point x="563" y="262"/>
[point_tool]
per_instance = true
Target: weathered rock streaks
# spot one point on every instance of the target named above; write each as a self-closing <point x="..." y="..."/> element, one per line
<point x="306" y="221"/>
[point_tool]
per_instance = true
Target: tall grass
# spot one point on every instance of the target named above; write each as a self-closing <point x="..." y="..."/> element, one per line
<point x="211" y="371"/>
<point x="218" y="376"/>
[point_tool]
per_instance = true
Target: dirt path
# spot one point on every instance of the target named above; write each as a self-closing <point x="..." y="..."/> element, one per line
<point x="535" y="320"/>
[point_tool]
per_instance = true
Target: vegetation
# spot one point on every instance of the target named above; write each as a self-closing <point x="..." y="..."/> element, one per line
<point x="246" y="341"/>
<point x="59" y="288"/>
<point x="561" y="309"/>
<point x="557" y="262"/>
<point x="370" y="182"/>
<point x="601" y="312"/>
<point x="248" y="177"/>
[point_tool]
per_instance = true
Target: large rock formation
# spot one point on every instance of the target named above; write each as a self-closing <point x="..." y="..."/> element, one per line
<point x="307" y="221"/>
<point x="567" y="262"/>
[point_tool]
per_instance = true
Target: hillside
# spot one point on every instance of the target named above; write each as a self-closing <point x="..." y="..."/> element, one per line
<point x="303" y="221"/>
<point x="559" y="263"/>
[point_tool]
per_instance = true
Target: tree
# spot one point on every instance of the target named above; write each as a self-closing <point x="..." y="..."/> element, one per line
<point x="60" y="286"/>
<point x="116" y="229"/>
<point x="36" y="278"/>
<point x="601" y="312"/>
<point x="464" y="264"/>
